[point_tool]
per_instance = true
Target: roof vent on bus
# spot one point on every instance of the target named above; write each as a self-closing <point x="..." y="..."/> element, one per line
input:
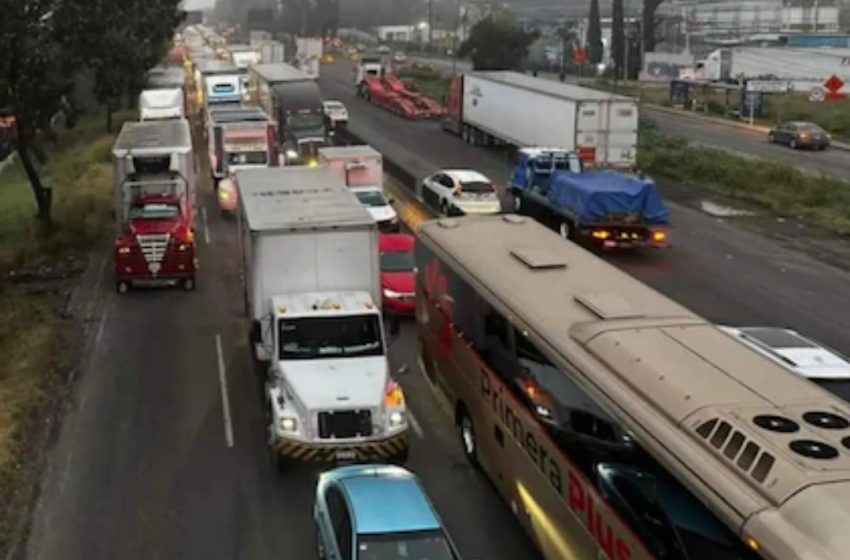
<point x="826" y="420"/>
<point x="774" y="423"/>
<point x="733" y="444"/>
<point x="538" y="258"/>
<point x="607" y="305"/>
<point x="813" y="449"/>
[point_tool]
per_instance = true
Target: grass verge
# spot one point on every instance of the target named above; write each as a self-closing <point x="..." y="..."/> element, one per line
<point x="781" y="188"/>
<point x="35" y="344"/>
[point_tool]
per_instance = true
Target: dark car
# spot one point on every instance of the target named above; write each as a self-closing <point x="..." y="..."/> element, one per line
<point x="799" y="134"/>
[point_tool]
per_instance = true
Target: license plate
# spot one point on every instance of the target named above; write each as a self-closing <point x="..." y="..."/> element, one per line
<point x="154" y="267"/>
<point x="346" y="455"/>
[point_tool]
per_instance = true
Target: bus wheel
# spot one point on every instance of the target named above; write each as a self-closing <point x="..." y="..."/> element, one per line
<point x="467" y="438"/>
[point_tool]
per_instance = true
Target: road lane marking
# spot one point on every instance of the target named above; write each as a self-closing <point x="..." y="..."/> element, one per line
<point x="414" y="423"/>
<point x="207" y="237"/>
<point x="225" y="400"/>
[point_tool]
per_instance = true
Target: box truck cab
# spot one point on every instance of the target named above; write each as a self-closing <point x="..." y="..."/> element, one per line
<point x="219" y="82"/>
<point x="154" y="201"/>
<point x="312" y="293"/>
<point x="361" y="168"/>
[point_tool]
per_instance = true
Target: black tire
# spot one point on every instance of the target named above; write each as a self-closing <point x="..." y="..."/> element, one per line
<point x="444" y="208"/>
<point x="566" y="230"/>
<point x="468" y="441"/>
<point x="188" y="284"/>
<point x="770" y="138"/>
<point x="517" y="203"/>
<point x="122" y="287"/>
<point x="793" y="144"/>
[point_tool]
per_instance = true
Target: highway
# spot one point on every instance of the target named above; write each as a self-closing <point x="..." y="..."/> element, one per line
<point x="149" y="466"/>
<point x="720" y="271"/>
<point x="162" y="454"/>
<point x="713" y="134"/>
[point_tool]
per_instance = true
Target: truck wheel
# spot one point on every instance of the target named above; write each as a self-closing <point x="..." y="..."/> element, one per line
<point x="188" y="284"/>
<point x="122" y="286"/>
<point x="466" y="431"/>
<point x="517" y="203"/>
<point x="770" y="138"/>
<point x="464" y="134"/>
<point x="566" y="230"/>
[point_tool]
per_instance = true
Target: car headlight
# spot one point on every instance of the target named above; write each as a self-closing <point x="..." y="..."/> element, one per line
<point x="289" y="425"/>
<point x="291" y="154"/>
<point x="391" y="293"/>
<point x="396" y="418"/>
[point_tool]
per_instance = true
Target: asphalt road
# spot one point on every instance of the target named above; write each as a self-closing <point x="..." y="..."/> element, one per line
<point x="143" y="468"/>
<point x="725" y="273"/>
<point x="718" y="135"/>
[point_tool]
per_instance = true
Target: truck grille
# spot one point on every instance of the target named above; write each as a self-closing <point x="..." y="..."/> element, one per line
<point x="153" y="246"/>
<point x="345" y="424"/>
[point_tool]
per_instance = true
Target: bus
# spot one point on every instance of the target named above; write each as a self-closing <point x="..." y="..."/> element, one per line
<point x="616" y="423"/>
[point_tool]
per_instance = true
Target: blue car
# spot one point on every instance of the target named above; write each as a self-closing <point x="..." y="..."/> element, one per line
<point x="377" y="512"/>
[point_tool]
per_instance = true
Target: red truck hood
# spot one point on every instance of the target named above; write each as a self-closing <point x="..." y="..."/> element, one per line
<point x="401" y="282"/>
<point x="147" y="226"/>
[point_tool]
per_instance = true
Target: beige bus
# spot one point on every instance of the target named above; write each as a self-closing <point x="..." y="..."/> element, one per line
<point x="616" y="423"/>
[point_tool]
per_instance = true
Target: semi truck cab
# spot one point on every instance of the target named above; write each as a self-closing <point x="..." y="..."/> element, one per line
<point x="329" y="391"/>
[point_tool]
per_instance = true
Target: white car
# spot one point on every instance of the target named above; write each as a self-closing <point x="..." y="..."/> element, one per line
<point x="336" y="112"/>
<point x="399" y="58"/>
<point x="378" y="206"/>
<point x="460" y="191"/>
<point x="800" y="355"/>
<point x="383" y="49"/>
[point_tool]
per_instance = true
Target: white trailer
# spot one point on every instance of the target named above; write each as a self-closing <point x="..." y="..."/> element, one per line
<point x="243" y="56"/>
<point x="271" y="52"/>
<point x="312" y="278"/>
<point x="517" y="109"/>
<point x="308" y="55"/>
<point x="164" y="103"/>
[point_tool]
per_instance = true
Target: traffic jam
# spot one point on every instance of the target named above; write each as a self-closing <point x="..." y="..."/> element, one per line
<point x="331" y="266"/>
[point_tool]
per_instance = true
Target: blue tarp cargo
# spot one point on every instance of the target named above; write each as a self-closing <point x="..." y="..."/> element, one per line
<point x="594" y="196"/>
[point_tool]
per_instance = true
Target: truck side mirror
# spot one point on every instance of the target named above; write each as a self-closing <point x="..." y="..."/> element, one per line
<point x="174" y="164"/>
<point x="256" y="331"/>
<point x="129" y="166"/>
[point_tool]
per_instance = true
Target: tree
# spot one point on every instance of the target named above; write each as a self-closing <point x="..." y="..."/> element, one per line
<point x="594" y="34"/>
<point x="618" y="38"/>
<point x="649" y="24"/>
<point x="497" y="43"/>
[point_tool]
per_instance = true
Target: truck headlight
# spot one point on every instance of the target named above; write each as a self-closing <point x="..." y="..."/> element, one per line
<point x="396" y="418"/>
<point x="289" y="425"/>
<point x="291" y="154"/>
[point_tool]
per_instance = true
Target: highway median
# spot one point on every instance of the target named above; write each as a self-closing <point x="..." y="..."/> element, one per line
<point x="41" y="267"/>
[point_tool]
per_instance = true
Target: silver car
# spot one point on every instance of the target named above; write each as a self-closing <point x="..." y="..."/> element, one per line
<point x="799" y="354"/>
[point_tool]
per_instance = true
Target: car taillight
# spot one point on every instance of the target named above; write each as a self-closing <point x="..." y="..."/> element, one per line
<point x="659" y="236"/>
<point x="393" y="394"/>
<point x="601" y="234"/>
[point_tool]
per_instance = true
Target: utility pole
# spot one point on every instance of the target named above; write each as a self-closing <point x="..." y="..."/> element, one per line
<point x="430" y="23"/>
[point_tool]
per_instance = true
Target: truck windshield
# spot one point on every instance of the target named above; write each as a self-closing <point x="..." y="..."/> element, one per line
<point x="247" y="158"/>
<point x="430" y="545"/>
<point x="154" y="211"/>
<point x="311" y="338"/>
<point x="305" y="122"/>
<point x="374" y="199"/>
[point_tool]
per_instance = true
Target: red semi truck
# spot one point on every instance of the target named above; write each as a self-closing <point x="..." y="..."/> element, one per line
<point x="154" y="199"/>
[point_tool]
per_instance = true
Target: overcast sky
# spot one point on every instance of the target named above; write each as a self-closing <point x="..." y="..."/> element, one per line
<point x="198" y="4"/>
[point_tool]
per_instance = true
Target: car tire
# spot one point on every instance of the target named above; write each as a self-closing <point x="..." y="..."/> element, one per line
<point x="444" y="208"/>
<point x="566" y="230"/>
<point x="793" y="144"/>
<point x="770" y="138"/>
<point x="517" y="203"/>
<point x="122" y="287"/>
<point x="468" y="441"/>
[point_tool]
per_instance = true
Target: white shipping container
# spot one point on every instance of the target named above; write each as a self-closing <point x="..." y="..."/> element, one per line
<point x="303" y="231"/>
<point x="528" y="112"/>
<point x="271" y="52"/>
<point x="161" y="104"/>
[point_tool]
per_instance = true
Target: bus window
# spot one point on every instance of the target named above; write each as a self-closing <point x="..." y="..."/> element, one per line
<point x="496" y="344"/>
<point x="559" y="403"/>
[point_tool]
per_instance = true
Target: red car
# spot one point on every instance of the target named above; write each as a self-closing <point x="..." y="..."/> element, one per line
<point x="398" y="274"/>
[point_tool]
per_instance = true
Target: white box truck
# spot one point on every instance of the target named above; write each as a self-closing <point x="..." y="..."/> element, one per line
<point x="520" y="110"/>
<point x="361" y="168"/>
<point x="271" y="52"/>
<point x="312" y="287"/>
<point x="308" y="55"/>
<point x="155" y="104"/>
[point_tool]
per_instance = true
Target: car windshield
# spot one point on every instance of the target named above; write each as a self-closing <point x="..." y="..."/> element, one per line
<point x="777" y="338"/>
<point x="476" y="187"/>
<point x="808" y="127"/>
<point x="330" y="337"/>
<point x="397" y="261"/>
<point x="334" y="106"/>
<point x="154" y="212"/>
<point x="424" y="545"/>
<point x="247" y="158"/>
<point x="838" y="387"/>
<point x="371" y="198"/>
